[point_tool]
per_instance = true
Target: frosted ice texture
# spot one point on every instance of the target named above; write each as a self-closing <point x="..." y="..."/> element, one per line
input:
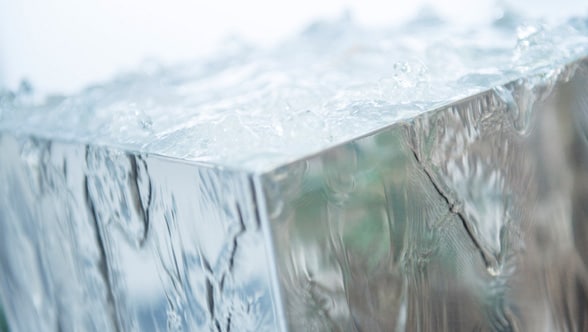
<point x="348" y="180"/>
<point x="258" y="109"/>
<point x="468" y="218"/>
<point x="96" y="239"/>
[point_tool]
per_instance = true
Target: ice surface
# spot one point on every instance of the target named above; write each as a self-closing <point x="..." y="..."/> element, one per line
<point x="95" y="239"/>
<point x="420" y="178"/>
<point x="257" y="108"/>
<point x="469" y="218"/>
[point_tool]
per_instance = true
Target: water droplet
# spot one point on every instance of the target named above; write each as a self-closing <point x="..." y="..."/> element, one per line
<point x="174" y="321"/>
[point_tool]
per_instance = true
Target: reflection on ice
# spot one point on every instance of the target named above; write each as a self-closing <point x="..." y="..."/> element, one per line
<point x="420" y="178"/>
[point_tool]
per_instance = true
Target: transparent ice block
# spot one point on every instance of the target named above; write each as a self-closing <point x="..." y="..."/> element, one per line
<point x="411" y="179"/>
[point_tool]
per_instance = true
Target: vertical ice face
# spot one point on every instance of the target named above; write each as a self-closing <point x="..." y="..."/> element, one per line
<point x="420" y="178"/>
<point x="97" y="239"/>
<point x="465" y="218"/>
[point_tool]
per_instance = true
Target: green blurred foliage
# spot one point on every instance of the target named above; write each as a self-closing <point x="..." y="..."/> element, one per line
<point x="3" y="323"/>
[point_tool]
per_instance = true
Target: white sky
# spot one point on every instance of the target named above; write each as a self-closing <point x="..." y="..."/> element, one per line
<point x="62" y="45"/>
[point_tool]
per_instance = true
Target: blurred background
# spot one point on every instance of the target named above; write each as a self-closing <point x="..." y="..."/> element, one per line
<point x="60" y="46"/>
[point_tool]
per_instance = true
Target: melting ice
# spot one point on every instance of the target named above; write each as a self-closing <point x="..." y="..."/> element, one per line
<point x="416" y="178"/>
<point x="334" y="82"/>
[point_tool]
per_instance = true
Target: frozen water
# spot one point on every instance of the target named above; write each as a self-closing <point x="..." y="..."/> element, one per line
<point x="256" y="109"/>
<point x="95" y="239"/>
<point x="468" y="218"/>
<point x="420" y="178"/>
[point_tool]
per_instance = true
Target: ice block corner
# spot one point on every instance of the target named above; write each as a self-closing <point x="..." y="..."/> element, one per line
<point x="418" y="178"/>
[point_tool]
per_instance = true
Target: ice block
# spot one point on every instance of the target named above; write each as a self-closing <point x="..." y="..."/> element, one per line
<point x="417" y="178"/>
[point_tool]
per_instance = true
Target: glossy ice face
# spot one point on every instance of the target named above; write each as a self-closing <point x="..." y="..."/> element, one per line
<point x="471" y="217"/>
<point x="96" y="239"/>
